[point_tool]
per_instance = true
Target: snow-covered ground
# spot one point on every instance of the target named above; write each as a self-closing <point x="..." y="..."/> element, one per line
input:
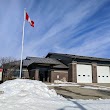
<point x="84" y="86"/>
<point x="22" y="94"/>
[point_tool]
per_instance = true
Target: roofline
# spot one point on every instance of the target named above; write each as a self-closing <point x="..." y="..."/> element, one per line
<point x="79" y="57"/>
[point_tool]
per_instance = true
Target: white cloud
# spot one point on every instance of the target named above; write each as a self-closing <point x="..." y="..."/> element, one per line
<point x="59" y="27"/>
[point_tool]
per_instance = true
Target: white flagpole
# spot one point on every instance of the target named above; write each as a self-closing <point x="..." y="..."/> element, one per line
<point x="22" y="44"/>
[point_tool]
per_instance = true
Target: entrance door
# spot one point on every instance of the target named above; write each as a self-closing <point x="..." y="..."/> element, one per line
<point x="43" y="76"/>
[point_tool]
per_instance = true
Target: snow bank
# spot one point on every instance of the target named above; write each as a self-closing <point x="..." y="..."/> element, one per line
<point x="26" y="87"/>
<point x="22" y="94"/>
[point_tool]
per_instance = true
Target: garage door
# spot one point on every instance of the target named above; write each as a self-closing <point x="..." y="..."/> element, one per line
<point x="84" y="73"/>
<point x="103" y="74"/>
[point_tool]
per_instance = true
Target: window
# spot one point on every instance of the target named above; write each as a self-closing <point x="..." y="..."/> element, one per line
<point x="79" y="75"/>
<point x="83" y="75"/>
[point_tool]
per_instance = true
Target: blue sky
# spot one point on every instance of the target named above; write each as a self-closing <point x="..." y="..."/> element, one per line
<point x="80" y="27"/>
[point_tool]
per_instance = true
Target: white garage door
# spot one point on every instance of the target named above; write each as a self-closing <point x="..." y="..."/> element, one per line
<point x="84" y="73"/>
<point x="103" y="74"/>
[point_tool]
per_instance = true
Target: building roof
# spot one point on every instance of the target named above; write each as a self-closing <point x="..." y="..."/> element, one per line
<point x="61" y="66"/>
<point x="78" y="57"/>
<point x="30" y="60"/>
<point x="51" y="61"/>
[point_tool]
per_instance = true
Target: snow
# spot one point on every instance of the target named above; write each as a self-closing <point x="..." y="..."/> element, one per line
<point x="96" y="87"/>
<point x="20" y="94"/>
<point x="64" y="84"/>
<point x="99" y="88"/>
<point x="26" y="87"/>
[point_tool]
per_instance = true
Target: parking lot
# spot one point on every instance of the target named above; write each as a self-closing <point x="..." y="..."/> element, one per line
<point x="84" y="91"/>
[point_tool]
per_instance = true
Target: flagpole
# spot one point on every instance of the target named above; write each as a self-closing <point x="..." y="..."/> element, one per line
<point x="22" y="45"/>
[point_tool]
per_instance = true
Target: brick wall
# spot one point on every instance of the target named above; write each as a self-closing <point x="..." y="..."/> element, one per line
<point x="58" y="75"/>
<point x="72" y="72"/>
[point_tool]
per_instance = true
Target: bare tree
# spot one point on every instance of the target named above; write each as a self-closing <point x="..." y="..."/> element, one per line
<point x="5" y="60"/>
<point x="9" y="64"/>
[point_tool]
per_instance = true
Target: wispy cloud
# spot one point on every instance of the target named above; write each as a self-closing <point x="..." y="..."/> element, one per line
<point x="76" y="27"/>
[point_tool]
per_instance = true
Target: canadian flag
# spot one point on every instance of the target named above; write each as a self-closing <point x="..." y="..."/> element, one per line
<point x="29" y="20"/>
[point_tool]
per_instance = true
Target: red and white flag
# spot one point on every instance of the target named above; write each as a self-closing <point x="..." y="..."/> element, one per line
<point x="29" y="20"/>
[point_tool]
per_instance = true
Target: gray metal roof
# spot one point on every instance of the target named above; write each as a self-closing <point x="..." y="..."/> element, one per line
<point x="30" y="60"/>
<point x="78" y="57"/>
<point x="61" y="66"/>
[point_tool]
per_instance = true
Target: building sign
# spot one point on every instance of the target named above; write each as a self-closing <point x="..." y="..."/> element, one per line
<point x="1" y="70"/>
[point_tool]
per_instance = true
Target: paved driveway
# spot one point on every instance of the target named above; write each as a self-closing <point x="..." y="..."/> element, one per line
<point x="83" y="91"/>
